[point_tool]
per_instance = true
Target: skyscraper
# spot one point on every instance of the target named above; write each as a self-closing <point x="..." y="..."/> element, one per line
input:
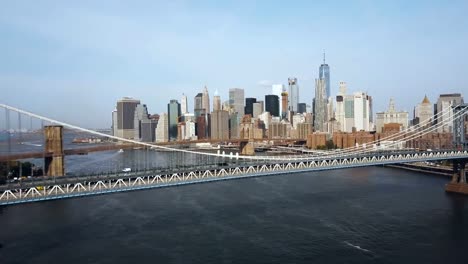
<point x="324" y="74"/>
<point x="445" y="103"/>
<point x="173" y="110"/>
<point x="423" y="113"/>
<point x="272" y="104"/>
<point x="125" y="117"/>
<point x="206" y="100"/>
<point x="352" y="111"/>
<point x="220" y="125"/>
<point x="302" y="108"/>
<point x="184" y="104"/>
<point x="249" y="106"/>
<point x="162" y="129"/>
<point x="114" y="122"/>
<point x="236" y="100"/>
<point x="284" y="105"/>
<point x="198" y="105"/>
<point x="257" y="109"/>
<point x="216" y="102"/>
<point x="141" y="114"/>
<point x="278" y="89"/>
<point x="320" y="106"/>
<point x="293" y="93"/>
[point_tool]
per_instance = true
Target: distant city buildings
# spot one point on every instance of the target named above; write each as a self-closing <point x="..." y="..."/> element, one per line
<point x="141" y="115"/>
<point x="444" y="112"/>
<point x="248" y="109"/>
<point x="125" y="117"/>
<point x="220" y="125"/>
<point x="236" y="101"/>
<point x="184" y="104"/>
<point x="324" y="74"/>
<point x="173" y="114"/>
<point x="423" y="113"/>
<point x="277" y="89"/>
<point x="272" y="104"/>
<point x="320" y="105"/>
<point x="293" y="94"/>
<point x="257" y="108"/>
<point x="206" y="100"/>
<point x="391" y="119"/>
<point x="162" y="129"/>
<point x="198" y="105"/>
<point x="217" y="102"/>
<point x="352" y="111"/>
<point x="343" y="118"/>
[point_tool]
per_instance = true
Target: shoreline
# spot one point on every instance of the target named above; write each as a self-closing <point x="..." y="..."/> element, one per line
<point x="423" y="169"/>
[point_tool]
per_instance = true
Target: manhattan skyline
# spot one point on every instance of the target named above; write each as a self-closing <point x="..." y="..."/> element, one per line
<point x="85" y="56"/>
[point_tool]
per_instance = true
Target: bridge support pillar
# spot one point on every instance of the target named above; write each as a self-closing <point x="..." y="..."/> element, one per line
<point x="54" y="164"/>
<point x="246" y="148"/>
<point x="458" y="183"/>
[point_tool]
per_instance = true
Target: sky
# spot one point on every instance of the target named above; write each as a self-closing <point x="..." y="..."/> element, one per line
<point x="72" y="60"/>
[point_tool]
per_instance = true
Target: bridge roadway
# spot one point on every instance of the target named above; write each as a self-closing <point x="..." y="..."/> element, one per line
<point x="75" y="186"/>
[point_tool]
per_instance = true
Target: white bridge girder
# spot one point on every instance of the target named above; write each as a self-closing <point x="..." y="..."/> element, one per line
<point x="152" y="181"/>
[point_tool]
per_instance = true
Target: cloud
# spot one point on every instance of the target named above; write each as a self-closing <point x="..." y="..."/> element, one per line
<point x="265" y="83"/>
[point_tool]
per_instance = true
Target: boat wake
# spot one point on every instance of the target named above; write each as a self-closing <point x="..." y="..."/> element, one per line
<point x="357" y="247"/>
<point x="31" y="144"/>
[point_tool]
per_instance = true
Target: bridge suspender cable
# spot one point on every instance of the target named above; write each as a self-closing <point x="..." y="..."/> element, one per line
<point x="344" y="152"/>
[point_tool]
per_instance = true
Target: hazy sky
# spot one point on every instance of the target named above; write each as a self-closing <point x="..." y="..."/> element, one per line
<point x="72" y="60"/>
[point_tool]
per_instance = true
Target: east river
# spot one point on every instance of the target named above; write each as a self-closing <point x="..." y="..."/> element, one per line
<point x="367" y="215"/>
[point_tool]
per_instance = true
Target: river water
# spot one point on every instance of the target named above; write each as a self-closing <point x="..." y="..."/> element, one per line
<point x="365" y="215"/>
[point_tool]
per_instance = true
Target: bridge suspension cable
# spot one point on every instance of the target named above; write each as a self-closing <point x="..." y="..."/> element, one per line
<point x="344" y="152"/>
<point x="400" y="135"/>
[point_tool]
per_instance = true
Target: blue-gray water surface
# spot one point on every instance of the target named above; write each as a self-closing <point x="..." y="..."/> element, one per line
<point x="366" y="215"/>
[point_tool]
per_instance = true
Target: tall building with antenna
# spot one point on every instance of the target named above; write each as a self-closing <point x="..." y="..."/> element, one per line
<point x="324" y="74"/>
<point x="322" y="113"/>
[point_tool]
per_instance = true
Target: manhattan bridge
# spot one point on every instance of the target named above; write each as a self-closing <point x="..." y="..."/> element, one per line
<point x="188" y="166"/>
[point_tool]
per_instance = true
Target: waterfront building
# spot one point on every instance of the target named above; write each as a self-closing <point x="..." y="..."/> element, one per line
<point x="220" y="125"/>
<point x="302" y="130"/>
<point x="444" y="104"/>
<point x="162" y="129"/>
<point x="293" y="94"/>
<point x="272" y="104"/>
<point x="279" y="130"/>
<point x="125" y="117"/>
<point x="391" y="117"/>
<point x="173" y="110"/>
